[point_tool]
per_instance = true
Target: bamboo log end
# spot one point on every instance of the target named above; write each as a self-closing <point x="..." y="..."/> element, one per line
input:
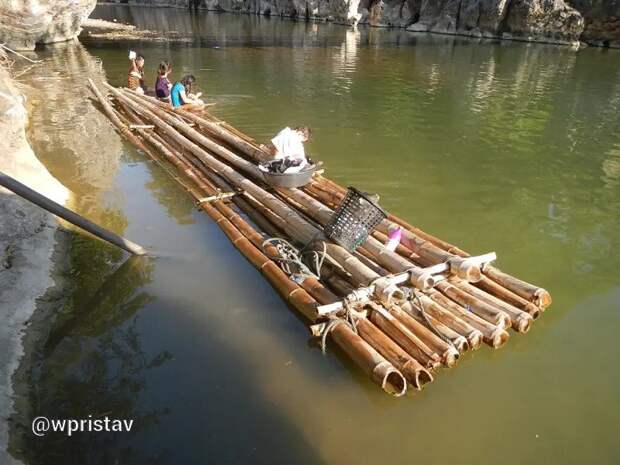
<point x="423" y="281"/>
<point x="523" y="323"/>
<point x="503" y="321"/>
<point x="461" y="344"/>
<point x="533" y="310"/>
<point x="542" y="298"/>
<point x="475" y="339"/>
<point x="417" y="377"/>
<point x="433" y="364"/>
<point x="465" y="270"/>
<point x="390" y="379"/>
<point x="450" y="357"/>
<point x="499" y="337"/>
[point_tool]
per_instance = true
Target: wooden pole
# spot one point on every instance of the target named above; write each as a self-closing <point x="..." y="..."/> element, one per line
<point x="47" y="204"/>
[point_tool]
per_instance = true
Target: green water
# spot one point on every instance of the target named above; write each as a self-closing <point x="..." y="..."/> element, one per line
<point x="504" y="147"/>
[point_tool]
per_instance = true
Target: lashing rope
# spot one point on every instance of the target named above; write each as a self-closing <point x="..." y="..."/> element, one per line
<point x="412" y="294"/>
<point x="291" y="259"/>
<point x="348" y="319"/>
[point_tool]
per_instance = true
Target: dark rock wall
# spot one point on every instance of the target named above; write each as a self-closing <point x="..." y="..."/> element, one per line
<point x="558" y="21"/>
<point x="602" y="21"/>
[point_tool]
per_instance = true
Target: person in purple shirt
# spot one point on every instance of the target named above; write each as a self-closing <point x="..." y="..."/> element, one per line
<point x="162" y="84"/>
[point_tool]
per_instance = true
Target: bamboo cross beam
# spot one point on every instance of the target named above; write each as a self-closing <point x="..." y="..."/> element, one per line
<point x="438" y="273"/>
<point x="141" y="126"/>
<point x="213" y="198"/>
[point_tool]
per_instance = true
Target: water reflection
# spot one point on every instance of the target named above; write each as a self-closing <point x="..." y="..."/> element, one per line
<point x="611" y="168"/>
<point x="114" y="302"/>
<point x="345" y="62"/>
<point x="78" y="143"/>
<point x="92" y="363"/>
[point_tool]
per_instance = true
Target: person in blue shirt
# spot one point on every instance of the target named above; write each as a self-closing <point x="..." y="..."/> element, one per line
<point x="181" y="94"/>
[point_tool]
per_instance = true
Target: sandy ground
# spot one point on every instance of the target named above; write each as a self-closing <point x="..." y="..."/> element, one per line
<point x="27" y="241"/>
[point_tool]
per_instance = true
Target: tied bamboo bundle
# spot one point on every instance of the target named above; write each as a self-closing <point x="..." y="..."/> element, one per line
<point x="394" y="339"/>
<point x="503" y="286"/>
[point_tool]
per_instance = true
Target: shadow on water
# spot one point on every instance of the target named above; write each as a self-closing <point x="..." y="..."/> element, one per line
<point x="99" y="359"/>
<point x="114" y="302"/>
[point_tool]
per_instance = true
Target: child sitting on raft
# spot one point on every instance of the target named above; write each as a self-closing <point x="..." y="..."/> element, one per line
<point x="162" y="83"/>
<point x="181" y="94"/>
<point x="287" y="149"/>
<point x="135" y="78"/>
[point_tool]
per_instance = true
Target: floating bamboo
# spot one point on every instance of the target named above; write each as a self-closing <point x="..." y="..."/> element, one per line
<point x="396" y="342"/>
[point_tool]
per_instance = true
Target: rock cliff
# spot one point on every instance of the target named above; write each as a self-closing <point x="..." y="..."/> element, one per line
<point x="23" y="24"/>
<point x="557" y="21"/>
<point x="602" y="21"/>
<point x="27" y="240"/>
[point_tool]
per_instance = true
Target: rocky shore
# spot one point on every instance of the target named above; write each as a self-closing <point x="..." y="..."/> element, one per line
<point x="28" y="238"/>
<point x="596" y="22"/>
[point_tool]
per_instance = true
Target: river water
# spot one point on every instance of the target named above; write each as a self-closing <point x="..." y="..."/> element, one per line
<point x="494" y="146"/>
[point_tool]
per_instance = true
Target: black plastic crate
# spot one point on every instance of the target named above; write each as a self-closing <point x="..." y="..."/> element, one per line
<point x="355" y="218"/>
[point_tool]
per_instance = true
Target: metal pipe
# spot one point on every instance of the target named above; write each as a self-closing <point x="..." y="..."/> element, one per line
<point x="47" y="204"/>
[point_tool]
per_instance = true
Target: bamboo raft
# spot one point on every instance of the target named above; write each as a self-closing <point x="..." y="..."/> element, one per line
<point x="398" y="315"/>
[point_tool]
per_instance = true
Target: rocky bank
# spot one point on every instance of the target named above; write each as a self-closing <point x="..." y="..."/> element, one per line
<point x="558" y="21"/>
<point x="25" y="23"/>
<point x="27" y="242"/>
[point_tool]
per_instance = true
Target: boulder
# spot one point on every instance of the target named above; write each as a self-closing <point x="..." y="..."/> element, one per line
<point x="602" y="21"/>
<point x="483" y="16"/>
<point x="391" y="13"/>
<point x="438" y="16"/>
<point x="23" y="24"/>
<point x="537" y="20"/>
<point x="551" y="20"/>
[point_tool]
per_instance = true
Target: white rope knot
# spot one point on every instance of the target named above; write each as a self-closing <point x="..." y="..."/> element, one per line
<point x="347" y="319"/>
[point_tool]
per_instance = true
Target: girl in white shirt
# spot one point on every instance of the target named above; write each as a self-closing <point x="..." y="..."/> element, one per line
<point x="289" y="143"/>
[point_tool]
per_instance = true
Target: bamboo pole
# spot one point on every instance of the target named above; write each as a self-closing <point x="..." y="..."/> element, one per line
<point x="55" y="208"/>
<point x="521" y="321"/>
<point x="508" y="296"/>
<point x="447" y="352"/>
<point x="445" y="317"/>
<point x="535" y="294"/>
<point x="460" y="342"/>
<point x="369" y="360"/>
<point x="482" y="309"/>
<point x="412" y="370"/>
<point x="403" y="336"/>
<point x="495" y="336"/>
